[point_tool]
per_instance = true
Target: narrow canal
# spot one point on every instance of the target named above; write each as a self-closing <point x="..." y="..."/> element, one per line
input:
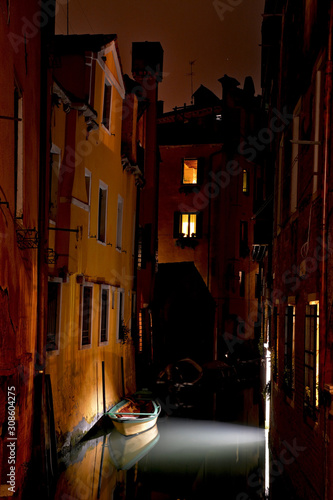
<point x="214" y="449"/>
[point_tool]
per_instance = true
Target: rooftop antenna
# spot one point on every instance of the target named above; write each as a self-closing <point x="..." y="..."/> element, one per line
<point x="191" y="75"/>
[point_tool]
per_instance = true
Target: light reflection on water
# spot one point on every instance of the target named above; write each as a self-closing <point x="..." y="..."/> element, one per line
<point x="186" y="460"/>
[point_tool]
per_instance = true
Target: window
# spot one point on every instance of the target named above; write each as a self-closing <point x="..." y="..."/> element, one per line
<point x="102" y="206"/>
<point x="53" y="315"/>
<point x="187" y="225"/>
<point x="275" y="360"/>
<point x="119" y="222"/>
<point x="241" y="275"/>
<point x="18" y="153"/>
<point x="190" y="171"/>
<point x="140" y="339"/>
<point x="120" y="314"/>
<point x="55" y="157"/>
<point x="243" y="239"/>
<point x="246" y="182"/>
<point x="311" y="357"/>
<point x="294" y="159"/>
<point x="87" y="178"/>
<point x="106" y="121"/>
<point x="104" y="319"/>
<point x="289" y="349"/>
<point x="86" y="314"/>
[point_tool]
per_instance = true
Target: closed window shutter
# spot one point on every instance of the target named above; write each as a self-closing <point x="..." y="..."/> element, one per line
<point x="199" y="225"/>
<point x="176" y="216"/>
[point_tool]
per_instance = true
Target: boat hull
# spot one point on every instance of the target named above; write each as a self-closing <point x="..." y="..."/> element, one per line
<point x="132" y="428"/>
<point x="131" y="424"/>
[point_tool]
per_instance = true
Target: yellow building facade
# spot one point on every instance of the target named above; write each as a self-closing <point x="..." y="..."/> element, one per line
<point x="91" y="297"/>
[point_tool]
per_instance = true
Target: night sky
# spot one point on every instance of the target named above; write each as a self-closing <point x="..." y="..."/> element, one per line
<point x="221" y="36"/>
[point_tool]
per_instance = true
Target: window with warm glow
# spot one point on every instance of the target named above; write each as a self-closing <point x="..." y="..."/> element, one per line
<point x="188" y="225"/>
<point x="246" y="186"/>
<point x="190" y="171"/>
<point x="311" y="357"/>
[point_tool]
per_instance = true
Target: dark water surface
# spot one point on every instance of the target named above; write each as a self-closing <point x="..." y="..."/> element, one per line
<point x="213" y="450"/>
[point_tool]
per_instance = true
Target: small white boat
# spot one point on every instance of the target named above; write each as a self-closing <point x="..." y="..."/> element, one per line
<point x="134" y="415"/>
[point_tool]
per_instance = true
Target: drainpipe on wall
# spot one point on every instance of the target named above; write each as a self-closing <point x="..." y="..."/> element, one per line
<point x="323" y="281"/>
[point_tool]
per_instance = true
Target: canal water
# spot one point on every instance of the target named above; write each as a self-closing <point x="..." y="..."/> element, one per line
<point x="215" y="449"/>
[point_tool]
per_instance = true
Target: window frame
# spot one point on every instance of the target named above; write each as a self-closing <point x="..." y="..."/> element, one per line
<point x="102" y="187"/>
<point x="276" y="326"/>
<point x="59" y="283"/>
<point x="87" y="174"/>
<point x="241" y="275"/>
<point x="311" y="401"/>
<point x="83" y="287"/>
<point x="120" y="313"/>
<point x="106" y="120"/>
<point x="119" y="227"/>
<point x="243" y="238"/>
<point x="183" y="170"/>
<point x="104" y="288"/>
<point x="245" y="181"/>
<point x="289" y="350"/>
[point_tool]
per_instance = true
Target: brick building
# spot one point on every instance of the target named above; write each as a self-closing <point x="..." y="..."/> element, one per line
<point x="297" y="88"/>
<point x="24" y="120"/>
<point x="208" y="192"/>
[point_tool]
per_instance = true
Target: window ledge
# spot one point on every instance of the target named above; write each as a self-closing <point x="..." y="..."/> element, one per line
<point x="189" y="188"/>
<point x="84" y="347"/>
<point x="187" y="241"/>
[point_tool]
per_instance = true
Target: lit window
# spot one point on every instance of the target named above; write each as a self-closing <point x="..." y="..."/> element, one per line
<point x="53" y="315"/>
<point x="188" y="225"/>
<point x="289" y="349"/>
<point x="104" y="320"/>
<point x="18" y="152"/>
<point x="86" y="314"/>
<point x="106" y="121"/>
<point x="102" y="205"/>
<point x="119" y="222"/>
<point x="190" y="171"/>
<point x="311" y="357"/>
<point x="241" y="275"/>
<point x="246" y="186"/>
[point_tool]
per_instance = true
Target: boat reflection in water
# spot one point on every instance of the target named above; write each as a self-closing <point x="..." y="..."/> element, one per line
<point x="176" y="459"/>
<point x="125" y="451"/>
